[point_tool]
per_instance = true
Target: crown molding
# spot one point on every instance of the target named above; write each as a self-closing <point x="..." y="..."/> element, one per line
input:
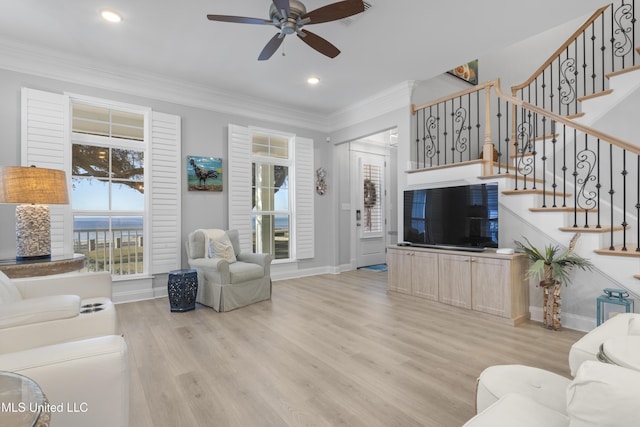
<point x="391" y="99"/>
<point x="29" y="59"/>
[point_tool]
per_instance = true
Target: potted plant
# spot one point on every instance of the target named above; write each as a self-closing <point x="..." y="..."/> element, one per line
<point x="552" y="268"/>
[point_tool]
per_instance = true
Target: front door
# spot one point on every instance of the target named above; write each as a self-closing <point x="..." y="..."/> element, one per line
<point x="370" y="214"/>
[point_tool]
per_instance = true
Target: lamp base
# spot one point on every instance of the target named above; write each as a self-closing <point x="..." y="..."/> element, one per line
<point x="33" y="232"/>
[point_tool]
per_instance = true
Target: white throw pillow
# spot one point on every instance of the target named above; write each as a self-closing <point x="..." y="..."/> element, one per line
<point x="222" y="248"/>
<point x="602" y="394"/>
<point x="8" y="291"/>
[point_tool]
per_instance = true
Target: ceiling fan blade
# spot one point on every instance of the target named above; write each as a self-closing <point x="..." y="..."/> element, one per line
<point x="239" y="19"/>
<point x="271" y="47"/>
<point x="319" y="44"/>
<point x="282" y="5"/>
<point x="334" y="11"/>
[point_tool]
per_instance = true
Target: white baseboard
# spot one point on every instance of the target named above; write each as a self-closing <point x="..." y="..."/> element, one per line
<point x="567" y="320"/>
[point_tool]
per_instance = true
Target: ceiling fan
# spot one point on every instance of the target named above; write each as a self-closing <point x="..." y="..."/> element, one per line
<point x="291" y="15"/>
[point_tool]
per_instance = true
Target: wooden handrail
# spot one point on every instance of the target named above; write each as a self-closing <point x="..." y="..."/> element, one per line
<point x="552" y="58"/>
<point x="473" y="89"/>
<point x="568" y="122"/>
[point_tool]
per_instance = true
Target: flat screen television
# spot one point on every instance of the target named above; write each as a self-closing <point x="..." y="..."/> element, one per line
<point x="463" y="217"/>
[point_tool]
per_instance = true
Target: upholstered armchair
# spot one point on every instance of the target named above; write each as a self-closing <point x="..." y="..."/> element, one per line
<point x="47" y="310"/>
<point x="227" y="278"/>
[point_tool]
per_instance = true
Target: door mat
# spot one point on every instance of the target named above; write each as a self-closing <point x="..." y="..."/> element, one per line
<point x="376" y="267"/>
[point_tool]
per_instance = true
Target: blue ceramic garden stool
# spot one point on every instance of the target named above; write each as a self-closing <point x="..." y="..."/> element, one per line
<point x="182" y="289"/>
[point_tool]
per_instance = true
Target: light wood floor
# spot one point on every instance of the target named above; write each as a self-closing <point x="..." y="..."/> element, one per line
<point x="327" y="350"/>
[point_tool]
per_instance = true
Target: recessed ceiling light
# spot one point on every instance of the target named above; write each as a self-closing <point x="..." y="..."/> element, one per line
<point x="111" y="15"/>
<point x="313" y="81"/>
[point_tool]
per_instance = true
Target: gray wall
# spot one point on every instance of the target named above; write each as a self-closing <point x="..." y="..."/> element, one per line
<point x="204" y="133"/>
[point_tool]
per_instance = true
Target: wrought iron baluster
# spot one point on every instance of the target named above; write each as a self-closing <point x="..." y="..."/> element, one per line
<point x="624" y="174"/>
<point x="554" y="140"/>
<point x="564" y="166"/>
<point x="584" y="63"/>
<point x="575" y="72"/>
<point x="575" y="178"/>
<point x="431" y="126"/>
<point x="602" y="53"/>
<point x="445" y="133"/>
<point x="598" y="187"/>
<point x="593" y="59"/>
<point x="438" y="133"/>
<point x="499" y="117"/>
<point x="551" y="88"/>
<point x="624" y="23"/>
<point x="507" y="140"/>
<point x="638" y="204"/>
<point x="586" y="161"/>
<point x="471" y="127"/>
<point x="611" y="193"/>
<point x="418" y="137"/>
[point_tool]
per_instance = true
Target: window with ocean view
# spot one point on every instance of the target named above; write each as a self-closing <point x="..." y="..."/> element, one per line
<point x="108" y="177"/>
<point x="271" y="209"/>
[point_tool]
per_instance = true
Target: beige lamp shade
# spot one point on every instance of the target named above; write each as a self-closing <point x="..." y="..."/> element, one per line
<point x="20" y="184"/>
<point x="33" y="189"/>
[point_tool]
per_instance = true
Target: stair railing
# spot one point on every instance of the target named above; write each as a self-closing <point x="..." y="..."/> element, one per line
<point x="572" y="166"/>
<point x="604" y="44"/>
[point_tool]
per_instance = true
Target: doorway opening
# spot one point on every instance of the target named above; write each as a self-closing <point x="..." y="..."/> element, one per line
<point x="373" y="198"/>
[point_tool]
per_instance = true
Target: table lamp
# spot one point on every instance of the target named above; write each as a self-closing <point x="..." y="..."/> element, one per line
<point x="33" y="189"/>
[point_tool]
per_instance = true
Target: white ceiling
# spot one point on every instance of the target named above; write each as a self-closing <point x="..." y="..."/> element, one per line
<point x="392" y="42"/>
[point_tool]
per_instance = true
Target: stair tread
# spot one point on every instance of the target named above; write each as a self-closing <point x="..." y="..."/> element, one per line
<point x="595" y="95"/>
<point x="593" y="229"/>
<point x="623" y="71"/>
<point x="508" y="175"/>
<point x="575" y="116"/>
<point x="617" y="251"/>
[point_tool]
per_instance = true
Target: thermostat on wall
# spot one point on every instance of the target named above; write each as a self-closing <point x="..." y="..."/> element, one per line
<point x="505" y="251"/>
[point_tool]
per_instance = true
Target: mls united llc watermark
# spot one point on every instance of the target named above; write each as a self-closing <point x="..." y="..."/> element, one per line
<point x="23" y="407"/>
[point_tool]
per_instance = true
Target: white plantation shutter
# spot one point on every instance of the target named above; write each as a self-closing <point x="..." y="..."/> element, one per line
<point x="165" y="192"/>
<point x="44" y="144"/>
<point x="304" y="196"/>
<point x="239" y="166"/>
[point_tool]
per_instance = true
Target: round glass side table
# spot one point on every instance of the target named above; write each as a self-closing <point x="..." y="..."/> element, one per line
<point x="23" y="402"/>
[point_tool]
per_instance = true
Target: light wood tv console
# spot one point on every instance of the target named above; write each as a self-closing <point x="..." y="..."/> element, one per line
<point x="481" y="281"/>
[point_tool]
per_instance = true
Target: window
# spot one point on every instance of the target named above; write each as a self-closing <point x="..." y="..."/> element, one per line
<point x="53" y="123"/>
<point x="108" y="181"/>
<point x="271" y="204"/>
<point x="371" y="183"/>
<point x="271" y="187"/>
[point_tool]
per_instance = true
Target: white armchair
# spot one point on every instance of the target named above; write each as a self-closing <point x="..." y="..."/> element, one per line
<point x="47" y="310"/>
<point x="227" y="278"/>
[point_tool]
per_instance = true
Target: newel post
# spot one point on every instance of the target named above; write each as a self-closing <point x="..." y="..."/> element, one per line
<point x="487" y="148"/>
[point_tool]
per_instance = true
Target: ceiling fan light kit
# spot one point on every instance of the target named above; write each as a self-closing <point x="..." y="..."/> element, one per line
<point x="289" y="16"/>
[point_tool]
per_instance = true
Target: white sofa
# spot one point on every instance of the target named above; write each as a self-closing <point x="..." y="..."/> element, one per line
<point x="61" y="331"/>
<point x="587" y="347"/>
<point x="87" y="381"/>
<point x="600" y="395"/>
<point x="47" y="310"/>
